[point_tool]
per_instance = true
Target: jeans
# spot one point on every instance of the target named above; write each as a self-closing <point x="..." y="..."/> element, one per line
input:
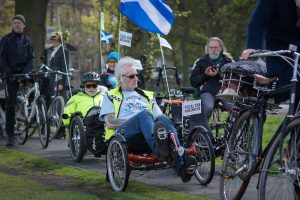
<point x="140" y="127"/>
<point x="208" y="103"/>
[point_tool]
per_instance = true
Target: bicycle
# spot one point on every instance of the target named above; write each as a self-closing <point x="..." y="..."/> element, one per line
<point x="244" y="154"/>
<point x="197" y="135"/>
<point x="30" y="108"/>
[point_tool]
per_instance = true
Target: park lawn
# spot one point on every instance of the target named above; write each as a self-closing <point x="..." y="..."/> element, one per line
<point x="86" y="179"/>
<point x="270" y="127"/>
<point x="16" y="187"/>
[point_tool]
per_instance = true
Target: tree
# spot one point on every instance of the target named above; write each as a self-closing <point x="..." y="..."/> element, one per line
<point x="35" y="15"/>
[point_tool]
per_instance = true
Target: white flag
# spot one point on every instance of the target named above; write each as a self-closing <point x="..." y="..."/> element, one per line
<point x="163" y="42"/>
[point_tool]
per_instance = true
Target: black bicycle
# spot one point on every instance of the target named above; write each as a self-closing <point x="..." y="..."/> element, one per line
<point x="244" y="154"/>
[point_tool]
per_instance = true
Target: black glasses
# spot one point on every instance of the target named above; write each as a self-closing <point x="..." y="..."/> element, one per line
<point x="91" y="86"/>
<point x="131" y="76"/>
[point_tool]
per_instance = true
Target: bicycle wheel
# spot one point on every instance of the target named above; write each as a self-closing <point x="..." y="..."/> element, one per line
<point x="21" y="129"/>
<point x="238" y="164"/>
<point x="280" y="176"/>
<point x="117" y="165"/>
<point x="55" y="111"/>
<point x="78" y="140"/>
<point x="42" y="122"/>
<point x="205" y="156"/>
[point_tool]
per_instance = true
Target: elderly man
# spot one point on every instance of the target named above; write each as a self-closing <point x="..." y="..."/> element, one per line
<point x="135" y="113"/>
<point x="16" y="57"/>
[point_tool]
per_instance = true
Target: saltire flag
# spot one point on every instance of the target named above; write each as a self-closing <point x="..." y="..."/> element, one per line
<point x="151" y="15"/>
<point x="105" y="36"/>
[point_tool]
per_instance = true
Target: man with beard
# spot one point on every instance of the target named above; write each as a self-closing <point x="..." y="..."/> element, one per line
<point x="85" y="100"/>
<point x="205" y="75"/>
<point x="275" y="23"/>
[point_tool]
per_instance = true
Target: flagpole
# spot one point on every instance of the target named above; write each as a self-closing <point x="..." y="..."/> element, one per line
<point x="120" y="21"/>
<point x="164" y="66"/>
<point x="64" y="54"/>
<point x="100" y="43"/>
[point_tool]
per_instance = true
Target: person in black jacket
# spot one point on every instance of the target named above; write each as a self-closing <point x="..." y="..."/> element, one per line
<point x="275" y="23"/>
<point x="205" y="74"/>
<point x="16" y="56"/>
<point x="59" y="60"/>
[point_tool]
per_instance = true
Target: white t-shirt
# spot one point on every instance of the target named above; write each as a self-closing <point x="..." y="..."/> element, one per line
<point x="132" y="104"/>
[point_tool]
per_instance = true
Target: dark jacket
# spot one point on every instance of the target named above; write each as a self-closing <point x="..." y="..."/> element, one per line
<point x="16" y="54"/>
<point x="273" y="22"/>
<point x="57" y="62"/>
<point x="201" y="81"/>
<point x="104" y="79"/>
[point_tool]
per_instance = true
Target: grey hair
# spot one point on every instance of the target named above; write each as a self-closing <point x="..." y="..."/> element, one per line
<point x="124" y="62"/>
<point x="223" y="48"/>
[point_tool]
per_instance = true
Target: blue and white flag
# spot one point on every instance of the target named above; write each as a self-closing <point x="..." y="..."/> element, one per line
<point x="105" y="36"/>
<point x="151" y="15"/>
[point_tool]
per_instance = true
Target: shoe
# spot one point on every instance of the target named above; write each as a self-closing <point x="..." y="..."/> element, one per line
<point x="187" y="170"/>
<point x="160" y="136"/>
<point x="10" y="142"/>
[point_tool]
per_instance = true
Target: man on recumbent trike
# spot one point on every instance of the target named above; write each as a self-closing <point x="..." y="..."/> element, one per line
<point x="135" y="114"/>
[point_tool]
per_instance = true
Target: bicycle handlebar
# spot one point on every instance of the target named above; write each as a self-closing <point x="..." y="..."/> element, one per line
<point x="32" y="74"/>
<point x="260" y="53"/>
<point x="51" y="71"/>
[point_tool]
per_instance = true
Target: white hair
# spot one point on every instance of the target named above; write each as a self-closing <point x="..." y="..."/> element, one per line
<point x="125" y="62"/>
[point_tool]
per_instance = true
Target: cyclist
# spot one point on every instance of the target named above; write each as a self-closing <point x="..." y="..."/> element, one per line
<point x="135" y="113"/>
<point x="85" y="100"/>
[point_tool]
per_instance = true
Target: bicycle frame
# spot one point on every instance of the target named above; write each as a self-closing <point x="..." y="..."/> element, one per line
<point x="25" y="99"/>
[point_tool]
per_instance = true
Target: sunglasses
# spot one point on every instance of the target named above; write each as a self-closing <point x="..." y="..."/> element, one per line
<point x="131" y="76"/>
<point x="91" y="86"/>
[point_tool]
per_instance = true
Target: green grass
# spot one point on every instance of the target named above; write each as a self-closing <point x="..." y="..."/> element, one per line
<point x="270" y="127"/>
<point x="23" y="162"/>
<point x="17" y="188"/>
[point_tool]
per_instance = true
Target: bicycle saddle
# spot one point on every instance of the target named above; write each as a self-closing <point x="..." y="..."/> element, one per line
<point x="264" y="80"/>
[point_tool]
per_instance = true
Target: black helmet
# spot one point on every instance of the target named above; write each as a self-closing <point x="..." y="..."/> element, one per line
<point x="90" y="77"/>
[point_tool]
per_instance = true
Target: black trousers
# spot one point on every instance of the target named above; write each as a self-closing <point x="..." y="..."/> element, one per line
<point x="11" y="89"/>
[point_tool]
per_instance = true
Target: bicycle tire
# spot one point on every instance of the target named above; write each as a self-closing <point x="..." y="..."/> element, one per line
<point x="118" y="169"/>
<point x="237" y="158"/>
<point x="55" y="112"/>
<point x="42" y="122"/>
<point x="78" y="146"/>
<point x="205" y="156"/>
<point x="280" y="171"/>
<point x="21" y="129"/>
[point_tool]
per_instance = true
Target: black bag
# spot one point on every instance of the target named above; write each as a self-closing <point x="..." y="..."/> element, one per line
<point x="95" y="132"/>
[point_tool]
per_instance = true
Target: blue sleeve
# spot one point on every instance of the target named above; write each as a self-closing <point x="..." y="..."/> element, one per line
<point x="259" y="23"/>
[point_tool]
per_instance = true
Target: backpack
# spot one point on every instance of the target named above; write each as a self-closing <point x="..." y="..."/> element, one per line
<point x="95" y="132"/>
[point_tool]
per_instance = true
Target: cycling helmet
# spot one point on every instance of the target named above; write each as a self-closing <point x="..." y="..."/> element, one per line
<point x="113" y="56"/>
<point x="90" y="77"/>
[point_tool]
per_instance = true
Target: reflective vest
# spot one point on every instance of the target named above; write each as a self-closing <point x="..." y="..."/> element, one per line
<point x="81" y="102"/>
<point x="116" y="97"/>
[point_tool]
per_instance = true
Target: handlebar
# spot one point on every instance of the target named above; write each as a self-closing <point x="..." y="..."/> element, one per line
<point x="51" y="71"/>
<point x="260" y="53"/>
<point x="32" y="74"/>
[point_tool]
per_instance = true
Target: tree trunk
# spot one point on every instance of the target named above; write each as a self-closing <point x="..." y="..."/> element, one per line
<point x="184" y="41"/>
<point x="34" y="12"/>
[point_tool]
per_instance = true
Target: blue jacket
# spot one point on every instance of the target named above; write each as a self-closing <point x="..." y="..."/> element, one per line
<point x="273" y="25"/>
